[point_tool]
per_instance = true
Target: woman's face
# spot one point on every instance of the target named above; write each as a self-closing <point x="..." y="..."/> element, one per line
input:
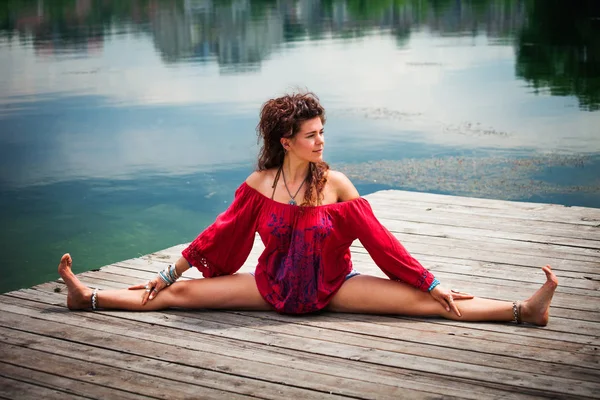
<point x="309" y="142"/>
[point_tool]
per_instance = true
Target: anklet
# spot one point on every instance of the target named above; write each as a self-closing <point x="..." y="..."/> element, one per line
<point x="95" y="299"/>
<point x="517" y="311"/>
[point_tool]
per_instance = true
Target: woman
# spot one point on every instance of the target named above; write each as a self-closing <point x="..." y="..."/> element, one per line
<point x="307" y="216"/>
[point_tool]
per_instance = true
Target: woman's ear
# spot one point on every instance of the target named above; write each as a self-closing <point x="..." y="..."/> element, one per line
<point x="285" y="143"/>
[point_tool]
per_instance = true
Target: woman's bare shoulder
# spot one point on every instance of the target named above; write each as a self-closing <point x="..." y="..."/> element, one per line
<point x="342" y="185"/>
<point x="261" y="181"/>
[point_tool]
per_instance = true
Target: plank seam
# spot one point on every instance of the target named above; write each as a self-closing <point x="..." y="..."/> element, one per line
<point x="216" y="371"/>
<point x="40" y="384"/>
<point x="520" y="388"/>
<point x="71" y="378"/>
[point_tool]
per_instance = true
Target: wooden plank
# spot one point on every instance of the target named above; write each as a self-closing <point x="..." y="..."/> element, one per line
<point x="509" y="337"/>
<point x="432" y="344"/>
<point x="347" y="383"/>
<point x="341" y="376"/>
<point x="554" y="356"/>
<point x="436" y="217"/>
<point x="510" y="274"/>
<point x="109" y="376"/>
<point x="494" y="248"/>
<point x="119" y="274"/>
<point x="475" y="244"/>
<point x="490" y="236"/>
<point x="554" y="364"/>
<point x="558" y="213"/>
<point x="591" y="340"/>
<point x="143" y="264"/>
<point x="542" y="212"/>
<point x="150" y="362"/>
<point x="524" y="273"/>
<point x="374" y="356"/>
<point x="470" y="387"/>
<point x="490" y="255"/>
<point x="531" y="278"/>
<point x="23" y="390"/>
<point x="71" y="385"/>
<point x="412" y="196"/>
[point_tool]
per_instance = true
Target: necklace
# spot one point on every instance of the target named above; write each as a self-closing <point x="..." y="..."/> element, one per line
<point x="293" y="198"/>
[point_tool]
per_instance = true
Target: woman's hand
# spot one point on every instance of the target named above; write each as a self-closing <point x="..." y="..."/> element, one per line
<point x="446" y="298"/>
<point x="151" y="288"/>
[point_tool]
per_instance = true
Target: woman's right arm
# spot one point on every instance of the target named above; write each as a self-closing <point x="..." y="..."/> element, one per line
<point x="181" y="266"/>
<point x="212" y="251"/>
<point x="223" y="247"/>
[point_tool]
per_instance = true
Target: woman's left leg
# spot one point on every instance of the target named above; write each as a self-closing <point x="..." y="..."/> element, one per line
<point x="368" y="294"/>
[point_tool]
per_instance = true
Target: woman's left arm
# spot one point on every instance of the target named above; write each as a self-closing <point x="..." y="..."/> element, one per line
<point x="387" y="251"/>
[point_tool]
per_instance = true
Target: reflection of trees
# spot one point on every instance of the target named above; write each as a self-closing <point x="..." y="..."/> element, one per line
<point x="559" y="49"/>
<point x="71" y="26"/>
<point x="497" y="18"/>
<point x="238" y="33"/>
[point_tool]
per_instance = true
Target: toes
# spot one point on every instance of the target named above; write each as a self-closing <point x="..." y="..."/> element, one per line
<point x="66" y="259"/>
<point x="548" y="271"/>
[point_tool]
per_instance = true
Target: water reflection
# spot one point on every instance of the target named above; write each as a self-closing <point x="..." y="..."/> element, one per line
<point x="126" y="125"/>
<point x="86" y="138"/>
<point x="560" y="51"/>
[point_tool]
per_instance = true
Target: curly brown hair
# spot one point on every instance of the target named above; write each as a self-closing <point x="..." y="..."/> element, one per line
<point x="282" y="118"/>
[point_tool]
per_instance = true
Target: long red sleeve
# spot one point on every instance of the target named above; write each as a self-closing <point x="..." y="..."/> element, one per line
<point x="223" y="247"/>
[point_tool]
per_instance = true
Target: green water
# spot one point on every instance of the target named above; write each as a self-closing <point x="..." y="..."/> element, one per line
<point x="125" y="126"/>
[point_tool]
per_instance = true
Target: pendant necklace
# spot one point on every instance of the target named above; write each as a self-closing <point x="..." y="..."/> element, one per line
<point x="293" y="198"/>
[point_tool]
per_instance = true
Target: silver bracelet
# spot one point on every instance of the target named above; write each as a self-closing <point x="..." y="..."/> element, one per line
<point x="165" y="278"/>
<point x="95" y="299"/>
<point x="173" y="272"/>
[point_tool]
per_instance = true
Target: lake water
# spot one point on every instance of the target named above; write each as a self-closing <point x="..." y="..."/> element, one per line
<point x="125" y="126"/>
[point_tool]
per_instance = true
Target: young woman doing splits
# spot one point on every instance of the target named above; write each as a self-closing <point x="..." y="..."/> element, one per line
<point x="307" y="216"/>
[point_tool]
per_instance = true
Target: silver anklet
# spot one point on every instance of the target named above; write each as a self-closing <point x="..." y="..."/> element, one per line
<point x="95" y="299"/>
<point x="517" y="312"/>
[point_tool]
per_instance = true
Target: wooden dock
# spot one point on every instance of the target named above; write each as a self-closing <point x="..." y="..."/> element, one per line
<point x="487" y="247"/>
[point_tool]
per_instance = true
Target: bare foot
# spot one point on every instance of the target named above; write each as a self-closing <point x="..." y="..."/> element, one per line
<point x="535" y="309"/>
<point x="80" y="296"/>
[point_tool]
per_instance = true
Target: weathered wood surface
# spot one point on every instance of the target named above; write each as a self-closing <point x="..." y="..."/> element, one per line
<point x="490" y="248"/>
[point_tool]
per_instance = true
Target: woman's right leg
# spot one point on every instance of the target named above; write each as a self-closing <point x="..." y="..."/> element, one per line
<point x="237" y="291"/>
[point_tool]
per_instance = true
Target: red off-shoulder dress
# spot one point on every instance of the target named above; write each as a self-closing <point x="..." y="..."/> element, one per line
<point x="307" y="249"/>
